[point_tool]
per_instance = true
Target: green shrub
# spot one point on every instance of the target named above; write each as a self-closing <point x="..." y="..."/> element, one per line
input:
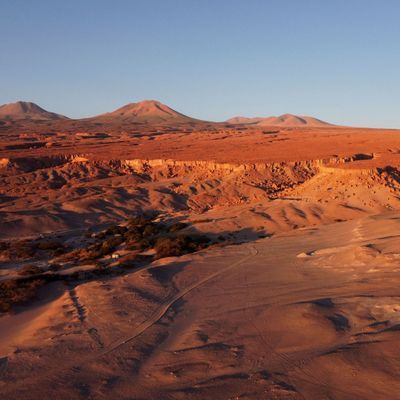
<point x="179" y="245"/>
<point x="133" y="236"/>
<point x="49" y="245"/>
<point x="58" y="252"/>
<point x="88" y="233"/>
<point x="116" y="230"/>
<point x="99" y="250"/>
<point x="22" y="250"/>
<point x="139" y="221"/>
<point x="144" y="244"/>
<point x="17" y="291"/>
<point x="177" y="226"/>
<point x="30" y="270"/>
<point x="101" y="235"/>
<point x="167" y="247"/>
<point x="150" y="230"/>
<point x="54" y="267"/>
<point x="71" y="256"/>
<point x="110" y="244"/>
<point x="4" y="246"/>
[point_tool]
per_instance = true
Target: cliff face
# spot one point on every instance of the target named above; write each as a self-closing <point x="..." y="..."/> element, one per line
<point x="68" y="190"/>
<point x="204" y="184"/>
<point x="163" y="165"/>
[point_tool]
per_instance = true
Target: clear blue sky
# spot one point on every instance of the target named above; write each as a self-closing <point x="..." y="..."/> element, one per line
<point x="212" y="59"/>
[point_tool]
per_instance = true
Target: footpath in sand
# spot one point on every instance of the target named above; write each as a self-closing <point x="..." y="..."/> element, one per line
<point x="311" y="311"/>
<point x="308" y="314"/>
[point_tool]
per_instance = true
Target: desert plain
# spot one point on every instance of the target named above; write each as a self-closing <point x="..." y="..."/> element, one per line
<point x="147" y="255"/>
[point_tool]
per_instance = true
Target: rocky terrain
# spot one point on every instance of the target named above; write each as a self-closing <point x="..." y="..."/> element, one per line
<point x="145" y="254"/>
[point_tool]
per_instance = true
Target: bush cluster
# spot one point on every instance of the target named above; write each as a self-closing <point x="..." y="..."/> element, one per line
<point x="20" y="249"/>
<point x="94" y="251"/>
<point x="55" y="246"/>
<point x="48" y="244"/>
<point x="141" y="233"/>
<point x="26" y="249"/>
<point x="29" y="270"/>
<point x="17" y="291"/>
<point x="179" y="245"/>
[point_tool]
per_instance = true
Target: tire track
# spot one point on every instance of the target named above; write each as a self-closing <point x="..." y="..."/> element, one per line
<point x="139" y="330"/>
<point x="290" y="363"/>
<point x="159" y="314"/>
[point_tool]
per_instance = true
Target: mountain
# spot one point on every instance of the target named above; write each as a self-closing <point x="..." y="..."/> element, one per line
<point x="243" y="120"/>
<point x="282" y="120"/>
<point x="22" y="110"/>
<point x="147" y="111"/>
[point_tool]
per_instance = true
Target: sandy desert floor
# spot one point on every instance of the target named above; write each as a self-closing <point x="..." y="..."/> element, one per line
<point x="297" y="297"/>
<point x="312" y="314"/>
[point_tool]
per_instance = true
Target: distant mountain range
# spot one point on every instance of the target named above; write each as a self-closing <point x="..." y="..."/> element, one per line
<point x="283" y="120"/>
<point x="26" y="110"/>
<point x="149" y="112"/>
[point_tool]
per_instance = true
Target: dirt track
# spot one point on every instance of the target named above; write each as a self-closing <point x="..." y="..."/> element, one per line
<point x="307" y="314"/>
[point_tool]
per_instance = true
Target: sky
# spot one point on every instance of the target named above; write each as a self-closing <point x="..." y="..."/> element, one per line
<point x="211" y="59"/>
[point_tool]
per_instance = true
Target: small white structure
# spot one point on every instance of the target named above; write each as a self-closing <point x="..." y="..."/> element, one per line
<point x="115" y="256"/>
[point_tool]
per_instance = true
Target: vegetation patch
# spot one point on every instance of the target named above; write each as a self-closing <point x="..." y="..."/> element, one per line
<point x="18" y="291"/>
<point x="112" y="251"/>
<point x="179" y="245"/>
<point x="30" y="270"/>
<point x="141" y="233"/>
<point x="17" y="250"/>
<point x="28" y="249"/>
